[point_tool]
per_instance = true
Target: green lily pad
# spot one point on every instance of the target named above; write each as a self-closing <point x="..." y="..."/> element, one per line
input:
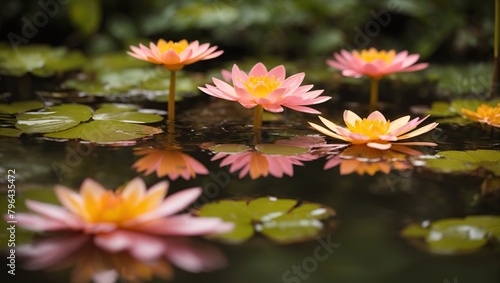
<point x="454" y="108"/>
<point x="20" y="106"/>
<point x="40" y="60"/>
<point x="465" y="161"/>
<point x="277" y="149"/>
<point x="9" y="132"/>
<point x="111" y="123"/>
<point x="456" y="235"/>
<point x="105" y="132"/>
<point x="281" y="220"/>
<point x="53" y="119"/>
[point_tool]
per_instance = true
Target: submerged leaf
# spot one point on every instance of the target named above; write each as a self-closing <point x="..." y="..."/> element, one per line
<point x="229" y="148"/>
<point x="281" y="220"/>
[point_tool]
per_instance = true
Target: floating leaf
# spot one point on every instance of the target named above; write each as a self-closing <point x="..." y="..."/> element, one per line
<point x="53" y="119"/>
<point x="128" y="117"/>
<point x="20" y="106"/>
<point x="105" y="132"/>
<point x="8" y="132"/>
<point x="277" y="149"/>
<point x="465" y="161"/>
<point x="281" y="220"/>
<point x="453" y="110"/>
<point x="456" y="235"/>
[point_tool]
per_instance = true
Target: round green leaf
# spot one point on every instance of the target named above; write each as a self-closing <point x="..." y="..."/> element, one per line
<point x="266" y="208"/>
<point x="415" y="230"/>
<point x="20" y="106"/>
<point x="291" y="230"/>
<point x="128" y="117"/>
<point x="44" y="122"/>
<point x="449" y="165"/>
<point x="106" y="131"/>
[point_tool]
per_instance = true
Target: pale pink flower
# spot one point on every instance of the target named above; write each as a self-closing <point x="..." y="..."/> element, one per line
<point x="174" y="55"/>
<point x="168" y="161"/>
<point x="272" y="90"/>
<point x="375" y="131"/>
<point x="146" y="256"/>
<point x="120" y="214"/>
<point x="375" y="64"/>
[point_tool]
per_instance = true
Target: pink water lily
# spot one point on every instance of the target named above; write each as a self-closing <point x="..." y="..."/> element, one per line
<point x="174" y="55"/>
<point x="375" y="131"/>
<point x="269" y="90"/>
<point x="120" y="214"/>
<point x="374" y="63"/>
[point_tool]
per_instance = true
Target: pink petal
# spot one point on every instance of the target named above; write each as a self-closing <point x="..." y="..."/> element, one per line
<point x="141" y="246"/>
<point x="278" y="72"/>
<point x="39" y="223"/>
<point x="419" y="131"/>
<point x="376" y="115"/>
<point x="258" y="70"/>
<point x="55" y="212"/>
<point x="194" y="256"/>
<point x="327" y="132"/>
<point x="351" y="117"/>
<point x="170" y="57"/>
<point x="186" y="225"/>
<point x="381" y="146"/>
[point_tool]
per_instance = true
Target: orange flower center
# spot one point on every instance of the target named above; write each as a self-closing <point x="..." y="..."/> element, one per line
<point x="112" y="207"/>
<point x="485" y="114"/>
<point x="370" y="128"/>
<point x="261" y="86"/>
<point x="372" y="54"/>
<point x="178" y="47"/>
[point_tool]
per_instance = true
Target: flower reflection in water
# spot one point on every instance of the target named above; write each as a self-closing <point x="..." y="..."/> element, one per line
<point x="263" y="160"/>
<point x="89" y="262"/>
<point x="363" y="159"/>
<point x="170" y="161"/>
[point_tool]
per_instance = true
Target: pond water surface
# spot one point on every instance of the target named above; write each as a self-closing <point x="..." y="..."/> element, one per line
<point x="362" y="242"/>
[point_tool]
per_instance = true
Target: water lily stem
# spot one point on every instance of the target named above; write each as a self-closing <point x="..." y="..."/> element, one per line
<point x="171" y="98"/>
<point x="495" y="84"/>
<point x="373" y="94"/>
<point x="257" y="117"/>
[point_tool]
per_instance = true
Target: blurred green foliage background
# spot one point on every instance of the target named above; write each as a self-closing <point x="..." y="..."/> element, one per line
<point x="446" y="30"/>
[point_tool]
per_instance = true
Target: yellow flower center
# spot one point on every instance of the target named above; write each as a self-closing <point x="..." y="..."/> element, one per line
<point x="178" y="47"/>
<point x="370" y="128"/>
<point x="261" y="86"/>
<point x="372" y="54"/>
<point x="112" y="207"/>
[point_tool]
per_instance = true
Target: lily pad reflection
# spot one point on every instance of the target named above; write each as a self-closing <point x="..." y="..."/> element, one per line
<point x="281" y="220"/>
<point x="455" y="235"/>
